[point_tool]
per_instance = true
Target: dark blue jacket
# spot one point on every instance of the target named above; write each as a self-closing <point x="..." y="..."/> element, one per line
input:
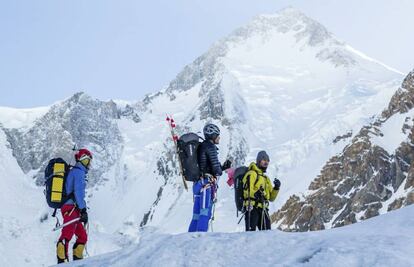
<point x="208" y="159"/>
<point x="76" y="183"/>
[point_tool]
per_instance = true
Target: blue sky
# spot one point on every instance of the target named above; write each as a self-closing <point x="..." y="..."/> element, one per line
<point x="126" y="48"/>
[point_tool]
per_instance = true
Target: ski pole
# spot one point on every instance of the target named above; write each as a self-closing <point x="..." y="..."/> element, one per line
<point x="66" y="224"/>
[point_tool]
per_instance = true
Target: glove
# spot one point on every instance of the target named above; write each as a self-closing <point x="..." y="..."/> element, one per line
<point x="83" y="216"/>
<point x="276" y="183"/>
<point x="226" y="165"/>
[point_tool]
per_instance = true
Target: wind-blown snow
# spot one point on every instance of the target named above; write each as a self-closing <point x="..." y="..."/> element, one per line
<point x="387" y="240"/>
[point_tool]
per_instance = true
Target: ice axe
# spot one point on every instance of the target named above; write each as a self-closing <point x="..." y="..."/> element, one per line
<point x="66" y="224"/>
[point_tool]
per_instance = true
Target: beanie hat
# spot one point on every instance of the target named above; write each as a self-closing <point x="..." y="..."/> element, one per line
<point x="262" y="155"/>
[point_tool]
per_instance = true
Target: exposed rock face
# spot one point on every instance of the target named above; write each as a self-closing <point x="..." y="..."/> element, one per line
<point x="403" y="100"/>
<point x="79" y="120"/>
<point x="342" y="137"/>
<point x="131" y="113"/>
<point x="365" y="180"/>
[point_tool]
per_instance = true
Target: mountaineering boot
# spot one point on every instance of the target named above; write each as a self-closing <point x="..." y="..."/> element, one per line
<point x="78" y="251"/>
<point x="61" y="251"/>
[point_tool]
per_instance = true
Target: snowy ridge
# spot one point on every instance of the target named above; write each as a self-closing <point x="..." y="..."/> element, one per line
<point x="381" y="241"/>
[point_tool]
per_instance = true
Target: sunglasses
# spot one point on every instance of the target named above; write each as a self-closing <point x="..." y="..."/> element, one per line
<point x="86" y="162"/>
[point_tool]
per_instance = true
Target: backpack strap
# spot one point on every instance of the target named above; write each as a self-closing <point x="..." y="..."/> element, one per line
<point x="257" y="177"/>
<point x="71" y="195"/>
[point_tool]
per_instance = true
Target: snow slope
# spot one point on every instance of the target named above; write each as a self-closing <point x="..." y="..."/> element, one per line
<point x="25" y="221"/>
<point x="16" y="225"/>
<point x="382" y="241"/>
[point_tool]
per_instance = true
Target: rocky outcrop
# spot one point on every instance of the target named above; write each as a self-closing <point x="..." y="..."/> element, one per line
<point x="365" y="180"/>
<point x="79" y="120"/>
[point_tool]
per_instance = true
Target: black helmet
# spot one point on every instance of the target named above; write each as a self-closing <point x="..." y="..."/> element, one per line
<point x="211" y="131"/>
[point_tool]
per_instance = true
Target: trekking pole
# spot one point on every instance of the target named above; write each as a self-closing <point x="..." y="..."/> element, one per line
<point x="241" y="218"/>
<point x="65" y="224"/>
<point x="214" y="197"/>
<point x="212" y="217"/>
<point x="263" y="219"/>
<point x="249" y="208"/>
<point x="268" y="216"/>
<point x="263" y="206"/>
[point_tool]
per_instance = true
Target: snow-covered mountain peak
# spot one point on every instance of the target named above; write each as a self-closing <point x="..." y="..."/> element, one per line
<point x="281" y="83"/>
<point x="79" y="97"/>
<point x="289" y="20"/>
<point x="287" y="45"/>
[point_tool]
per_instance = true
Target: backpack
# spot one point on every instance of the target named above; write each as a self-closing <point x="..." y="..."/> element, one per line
<point x="239" y="173"/>
<point x="55" y="180"/>
<point x="187" y="146"/>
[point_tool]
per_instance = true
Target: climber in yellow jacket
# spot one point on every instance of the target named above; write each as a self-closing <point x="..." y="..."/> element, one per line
<point x="257" y="192"/>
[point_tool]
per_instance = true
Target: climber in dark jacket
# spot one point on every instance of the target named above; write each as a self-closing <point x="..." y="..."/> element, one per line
<point x="204" y="190"/>
<point x="208" y="159"/>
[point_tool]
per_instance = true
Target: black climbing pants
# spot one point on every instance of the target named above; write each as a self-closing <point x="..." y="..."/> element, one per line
<point x="257" y="218"/>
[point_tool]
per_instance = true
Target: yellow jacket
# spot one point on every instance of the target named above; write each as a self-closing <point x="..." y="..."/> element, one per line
<point x="253" y="180"/>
